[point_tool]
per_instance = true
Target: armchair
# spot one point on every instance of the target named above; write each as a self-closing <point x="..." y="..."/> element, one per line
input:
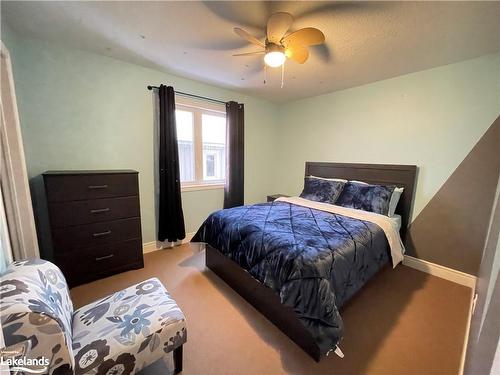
<point x="119" y="334"/>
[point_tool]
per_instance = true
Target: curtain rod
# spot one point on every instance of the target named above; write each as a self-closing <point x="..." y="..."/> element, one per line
<point x="191" y="95"/>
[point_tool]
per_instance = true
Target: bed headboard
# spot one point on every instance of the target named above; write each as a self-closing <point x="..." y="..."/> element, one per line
<point x="384" y="174"/>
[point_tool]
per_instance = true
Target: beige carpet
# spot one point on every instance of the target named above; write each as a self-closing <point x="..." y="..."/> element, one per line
<point x="403" y="322"/>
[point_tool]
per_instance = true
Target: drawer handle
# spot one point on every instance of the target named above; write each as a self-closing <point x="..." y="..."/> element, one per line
<point x="99" y="210"/>
<point x="104" y="257"/>
<point x="95" y="187"/>
<point x="100" y="234"/>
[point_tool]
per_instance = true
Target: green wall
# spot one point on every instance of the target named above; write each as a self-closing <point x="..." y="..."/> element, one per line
<point x="80" y="110"/>
<point x="431" y="118"/>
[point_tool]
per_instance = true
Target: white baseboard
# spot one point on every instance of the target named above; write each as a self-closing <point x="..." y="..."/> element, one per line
<point x="440" y="271"/>
<point x="467" y="330"/>
<point x="455" y="276"/>
<point x="149" y="247"/>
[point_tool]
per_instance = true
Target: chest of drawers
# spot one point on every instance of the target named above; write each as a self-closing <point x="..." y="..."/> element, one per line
<point x="95" y="222"/>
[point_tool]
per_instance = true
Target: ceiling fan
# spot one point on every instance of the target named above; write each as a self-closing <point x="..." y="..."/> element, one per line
<point x="279" y="45"/>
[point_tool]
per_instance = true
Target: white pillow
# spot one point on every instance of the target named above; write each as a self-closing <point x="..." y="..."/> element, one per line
<point x="393" y="203"/>
<point x="329" y="179"/>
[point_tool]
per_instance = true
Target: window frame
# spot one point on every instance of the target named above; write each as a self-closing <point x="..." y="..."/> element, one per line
<point x="198" y="108"/>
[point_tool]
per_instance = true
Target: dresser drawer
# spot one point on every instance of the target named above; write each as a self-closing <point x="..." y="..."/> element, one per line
<point x="92" y="263"/>
<point x="63" y="214"/>
<point x="62" y="188"/>
<point x="88" y="235"/>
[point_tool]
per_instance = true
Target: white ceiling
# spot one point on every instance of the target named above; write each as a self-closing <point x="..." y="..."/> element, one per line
<point x="366" y="41"/>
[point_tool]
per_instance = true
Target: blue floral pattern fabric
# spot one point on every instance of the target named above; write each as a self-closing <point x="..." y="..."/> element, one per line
<point x="119" y="334"/>
<point x="373" y="198"/>
<point x="321" y="190"/>
<point x="314" y="260"/>
<point x="36" y="312"/>
<point x="128" y="330"/>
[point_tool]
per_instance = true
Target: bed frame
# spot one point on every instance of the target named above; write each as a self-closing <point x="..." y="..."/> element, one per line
<point x="265" y="300"/>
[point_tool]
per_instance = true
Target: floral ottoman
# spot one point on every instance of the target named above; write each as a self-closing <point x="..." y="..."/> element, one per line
<point x="129" y="329"/>
<point x="119" y="334"/>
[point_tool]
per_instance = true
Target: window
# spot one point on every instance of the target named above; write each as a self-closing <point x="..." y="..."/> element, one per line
<point x="185" y="141"/>
<point x="201" y="137"/>
<point x="209" y="166"/>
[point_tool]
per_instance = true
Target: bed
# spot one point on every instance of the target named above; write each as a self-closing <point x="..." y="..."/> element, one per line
<point x="298" y="262"/>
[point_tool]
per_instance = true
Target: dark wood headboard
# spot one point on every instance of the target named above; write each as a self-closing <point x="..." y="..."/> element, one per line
<point x="383" y="174"/>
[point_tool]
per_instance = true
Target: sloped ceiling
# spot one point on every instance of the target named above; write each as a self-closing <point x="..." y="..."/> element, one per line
<point x="366" y="41"/>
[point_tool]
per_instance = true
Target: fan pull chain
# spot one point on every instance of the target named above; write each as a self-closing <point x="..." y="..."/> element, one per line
<point x="282" y="74"/>
<point x="265" y="73"/>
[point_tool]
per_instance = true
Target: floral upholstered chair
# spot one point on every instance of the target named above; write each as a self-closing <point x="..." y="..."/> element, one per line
<point x="117" y="335"/>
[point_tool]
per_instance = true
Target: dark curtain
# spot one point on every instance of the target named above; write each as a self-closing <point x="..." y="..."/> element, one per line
<point x="170" y="215"/>
<point x="233" y="191"/>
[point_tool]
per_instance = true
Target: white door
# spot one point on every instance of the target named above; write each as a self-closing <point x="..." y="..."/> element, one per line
<point x="14" y="184"/>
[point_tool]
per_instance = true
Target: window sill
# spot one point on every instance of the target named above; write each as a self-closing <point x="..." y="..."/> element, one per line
<point x="201" y="187"/>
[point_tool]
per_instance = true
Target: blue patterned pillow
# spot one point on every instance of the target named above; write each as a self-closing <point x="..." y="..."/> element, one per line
<point x="373" y="198"/>
<point x="321" y="190"/>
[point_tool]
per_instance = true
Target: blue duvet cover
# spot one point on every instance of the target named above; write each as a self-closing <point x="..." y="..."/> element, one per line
<point x="314" y="260"/>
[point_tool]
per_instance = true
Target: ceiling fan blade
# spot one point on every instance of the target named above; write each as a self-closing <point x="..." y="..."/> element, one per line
<point x="277" y="25"/>
<point x="250" y="53"/>
<point x="297" y="53"/>
<point x="242" y="33"/>
<point x="308" y="36"/>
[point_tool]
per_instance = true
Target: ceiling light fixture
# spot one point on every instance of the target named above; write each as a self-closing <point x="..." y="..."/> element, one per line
<point x="275" y="55"/>
<point x="274" y="59"/>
